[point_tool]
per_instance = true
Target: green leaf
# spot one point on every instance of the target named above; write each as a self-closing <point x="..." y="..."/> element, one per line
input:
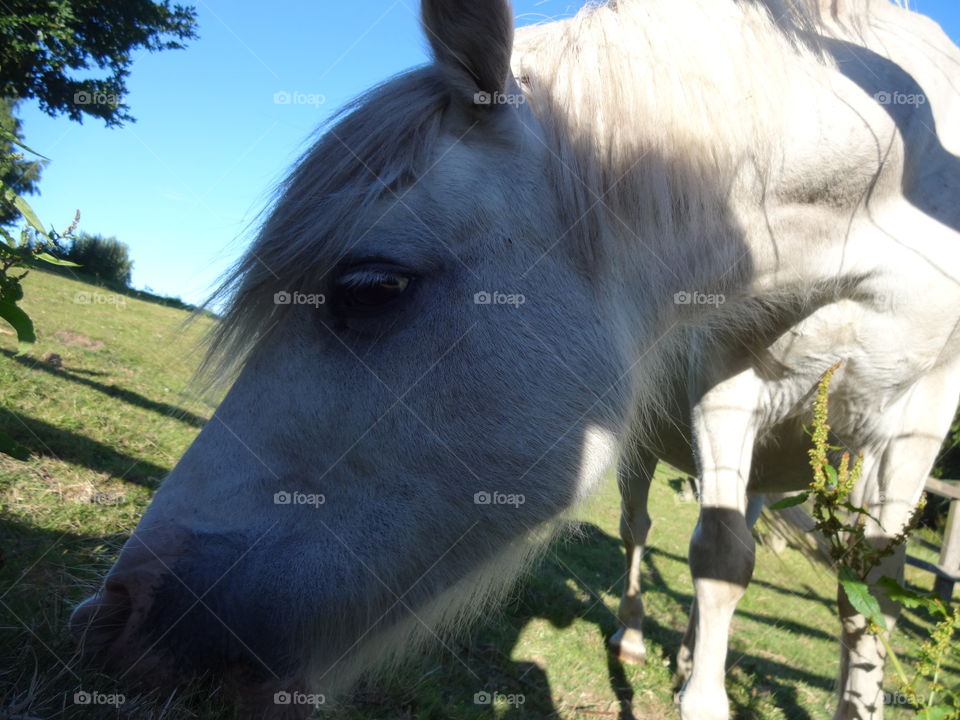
<point x="831" y="472"/>
<point x="24" y="208"/>
<point x="909" y="599"/>
<point x="21" y="323"/>
<point x="938" y="712"/>
<point x="16" y="141"/>
<point x="47" y="257"/>
<point x="857" y="510"/>
<point x="9" y="446"/>
<point x="858" y="593"/>
<point x="791" y="501"/>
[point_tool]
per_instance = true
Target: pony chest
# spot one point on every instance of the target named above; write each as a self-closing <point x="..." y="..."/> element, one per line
<point x="874" y="371"/>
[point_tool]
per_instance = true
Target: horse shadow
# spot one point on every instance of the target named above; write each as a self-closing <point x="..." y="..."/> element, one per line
<point x="567" y="587"/>
<point x="43" y="574"/>
<point x="43" y="569"/>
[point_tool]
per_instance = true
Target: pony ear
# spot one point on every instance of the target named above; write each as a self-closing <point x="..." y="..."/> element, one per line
<point x="472" y="41"/>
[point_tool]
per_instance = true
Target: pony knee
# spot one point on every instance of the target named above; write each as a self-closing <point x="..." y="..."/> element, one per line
<point x="635" y="526"/>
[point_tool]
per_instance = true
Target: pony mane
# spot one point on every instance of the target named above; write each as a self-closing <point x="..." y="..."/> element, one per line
<point x="375" y="146"/>
<point x="659" y="115"/>
<point x="630" y="117"/>
<point x="658" y="112"/>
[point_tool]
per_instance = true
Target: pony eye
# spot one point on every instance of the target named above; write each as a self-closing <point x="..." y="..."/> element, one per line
<point x="367" y="291"/>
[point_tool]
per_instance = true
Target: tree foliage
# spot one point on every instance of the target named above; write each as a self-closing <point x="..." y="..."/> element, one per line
<point x="105" y="258"/>
<point x="16" y="170"/>
<point x="74" y="56"/>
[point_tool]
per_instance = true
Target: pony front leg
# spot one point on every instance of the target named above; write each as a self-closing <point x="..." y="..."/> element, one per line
<point x="634" y="475"/>
<point x="755" y="505"/>
<point x="722" y="546"/>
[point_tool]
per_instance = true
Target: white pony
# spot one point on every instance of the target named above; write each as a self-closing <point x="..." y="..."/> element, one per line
<point x="643" y="232"/>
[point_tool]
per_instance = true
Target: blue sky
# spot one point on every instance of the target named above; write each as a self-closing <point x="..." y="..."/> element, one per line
<point x="183" y="184"/>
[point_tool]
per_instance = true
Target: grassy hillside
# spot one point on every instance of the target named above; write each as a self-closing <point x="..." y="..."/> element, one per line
<point x="106" y="425"/>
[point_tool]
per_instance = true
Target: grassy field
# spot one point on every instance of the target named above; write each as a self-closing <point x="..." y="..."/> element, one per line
<point x="110" y="422"/>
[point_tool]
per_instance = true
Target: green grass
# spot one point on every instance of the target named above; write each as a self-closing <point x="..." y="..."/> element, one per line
<point x="111" y="422"/>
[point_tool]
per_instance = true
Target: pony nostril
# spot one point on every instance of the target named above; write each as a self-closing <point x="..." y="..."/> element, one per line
<point x="99" y="620"/>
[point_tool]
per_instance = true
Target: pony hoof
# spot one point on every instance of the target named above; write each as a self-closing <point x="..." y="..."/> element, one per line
<point x="627" y="650"/>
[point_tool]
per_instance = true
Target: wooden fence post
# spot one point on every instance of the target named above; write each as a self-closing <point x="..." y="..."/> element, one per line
<point x="949" y="553"/>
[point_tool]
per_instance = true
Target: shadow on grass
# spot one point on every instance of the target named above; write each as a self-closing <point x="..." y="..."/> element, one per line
<point x="771" y="677"/>
<point x="92" y="373"/>
<point x="564" y="589"/>
<point x="127" y="396"/>
<point x="685" y="598"/>
<point x="46" y="573"/>
<point x="43" y="576"/>
<point x="46" y="440"/>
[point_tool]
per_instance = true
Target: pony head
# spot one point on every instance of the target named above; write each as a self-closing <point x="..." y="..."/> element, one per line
<point x="426" y="374"/>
